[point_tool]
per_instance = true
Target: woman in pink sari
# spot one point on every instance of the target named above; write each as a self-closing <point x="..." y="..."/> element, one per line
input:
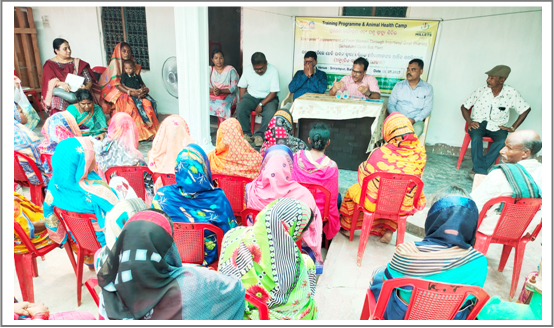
<point x="312" y="166"/>
<point x="223" y="87"/>
<point x="275" y="181"/>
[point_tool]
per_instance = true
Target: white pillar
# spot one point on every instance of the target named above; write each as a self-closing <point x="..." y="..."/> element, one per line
<point x="192" y="40"/>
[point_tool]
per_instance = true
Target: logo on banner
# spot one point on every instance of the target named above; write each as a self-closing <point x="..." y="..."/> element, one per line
<point x="424" y="26"/>
<point x="306" y="25"/>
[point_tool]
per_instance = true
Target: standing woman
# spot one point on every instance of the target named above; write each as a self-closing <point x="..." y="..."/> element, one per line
<point x="88" y="115"/>
<point x="115" y="97"/>
<point x="56" y="94"/>
<point x="223" y="87"/>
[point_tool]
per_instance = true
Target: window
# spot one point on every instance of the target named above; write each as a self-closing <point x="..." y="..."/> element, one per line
<point x="126" y="24"/>
<point x="375" y="11"/>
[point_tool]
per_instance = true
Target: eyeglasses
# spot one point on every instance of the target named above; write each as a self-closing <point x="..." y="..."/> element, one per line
<point x="357" y="72"/>
<point x="259" y="70"/>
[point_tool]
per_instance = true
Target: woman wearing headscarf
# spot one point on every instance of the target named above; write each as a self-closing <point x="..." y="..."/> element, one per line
<point x="444" y="255"/>
<point x="232" y="154"/>
<point x="195" y="199"/>
<point x="265" y="257"/>
<point x="30" y="218"/>
<point x="274" y="182"/>
<point x="22" y="102"/>
<point x="401" y="153"/>
<point x="142" y="278"/>
<point x="76" y="187"/>
<point x="279" y="132"/>
<point x="172" y="137"/>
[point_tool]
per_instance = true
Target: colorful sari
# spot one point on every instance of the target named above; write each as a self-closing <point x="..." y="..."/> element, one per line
<point x="444" y="255"/>
<point x="142" y="278"/>
<point x="220" y="106"/>
<point x="195" y="199"/>
<point x="279" y="132"/>
<point x="26" y="142"/>
<point x="265" y="257"/>
<point x="115" y="100"/>
<point x="21" y="99"/>
<point x="275" y="181"/>
<point x="323" y="172"/>
<point x="233" y="155"/>
<point x="91" y="123"/>
<point x="25" y="213"/>
<point x="402" y="153"/>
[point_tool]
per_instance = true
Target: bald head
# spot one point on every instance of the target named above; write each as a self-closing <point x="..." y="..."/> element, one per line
<point x="521" y="145"/>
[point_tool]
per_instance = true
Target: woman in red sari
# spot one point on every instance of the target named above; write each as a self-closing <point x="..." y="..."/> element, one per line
<point x="117" y="98"/>
<point x="57" y="95"/>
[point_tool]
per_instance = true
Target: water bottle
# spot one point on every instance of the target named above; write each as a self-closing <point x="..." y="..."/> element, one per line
<point x="345" y="94"/>
<point x="339" y="95"/>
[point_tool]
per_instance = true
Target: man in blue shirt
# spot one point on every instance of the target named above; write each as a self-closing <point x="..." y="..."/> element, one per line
<point x="309" y="80"/>
<point x="412" y="97"/>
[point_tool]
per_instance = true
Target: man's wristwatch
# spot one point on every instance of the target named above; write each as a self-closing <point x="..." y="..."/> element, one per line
<point x="369" y="95"/>
<point x="261" y="105"/>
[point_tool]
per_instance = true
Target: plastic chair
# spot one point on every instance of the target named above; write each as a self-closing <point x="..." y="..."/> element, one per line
<point x="423" y="135"/>
<point x="234" y="188"/>
<point x="133" y="174"/>
<point x="393" y="187"/>
<point x="48" y="159"/>
<point x="258" y="303"/>
<point x="26" y="264"/>
<point x="254" y="213"/>
<point x="288" y="99"/>
<point x="189" y="238"/>
<point x="430" y="300"/>
<point x="81" y="228"/>
<point x="167" y="179"/>
<point x="98" y="70"/>
<point x="37" y="192"/>
<point x="252" y="121"/>
<point x="90" y="284"/>
<point x="314" y="188"/>
<point x="514" y="219"/>
<point x="467" y="140"/>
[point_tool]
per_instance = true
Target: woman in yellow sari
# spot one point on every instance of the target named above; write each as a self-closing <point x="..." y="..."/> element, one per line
<point x="30" y="218"/>
<point x="401" y="153"/>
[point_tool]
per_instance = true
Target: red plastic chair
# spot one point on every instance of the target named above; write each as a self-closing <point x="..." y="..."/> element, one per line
<point x="90" y="284"/>
<point x="167" y="179"/>
<point x="465" y="144"/>
<point x="48" y="159"/>
<point x="80" y="226"/>
<point x="133" y="174"/>
<point x="189" y="238"/>
<point x="514" y="219"/>
<point x="254" y="213"/>
<point x="234" y="188"/>
<point x="393" y="187"/>
<point x="258" y="303"/>
<point x="430" y="300"/>
<point x="314" y="188"/>
<point x="252" y="121"/>
<point x="37" y="192"/>
<point x="26" y="264"/>
<point x="33" y="93"/>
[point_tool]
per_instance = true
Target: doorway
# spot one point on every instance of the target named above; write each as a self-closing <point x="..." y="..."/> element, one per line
<point x="224" y="31"/>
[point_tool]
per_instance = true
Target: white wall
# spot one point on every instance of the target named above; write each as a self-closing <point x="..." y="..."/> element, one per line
<point x="82" y="27"/>
<point x="468" y="46"/>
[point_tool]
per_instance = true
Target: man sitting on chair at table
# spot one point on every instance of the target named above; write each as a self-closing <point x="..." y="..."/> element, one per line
<point x="412" y="97"/>
<point x="359" y="84"/>
<point x="262" y="81"/>
<point x="308" y="80"/>
<point x="519" y="177"/>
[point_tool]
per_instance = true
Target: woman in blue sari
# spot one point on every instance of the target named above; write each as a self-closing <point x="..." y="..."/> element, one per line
<point x="444" y="255"/>
<point x="76" y="187"/>
<point x="195" y="199"/>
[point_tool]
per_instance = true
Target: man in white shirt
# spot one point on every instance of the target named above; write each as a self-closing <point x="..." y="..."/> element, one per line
<point x="521" y="148"/>
<point x="490" y="112"/>
<point x="258" y="87"/>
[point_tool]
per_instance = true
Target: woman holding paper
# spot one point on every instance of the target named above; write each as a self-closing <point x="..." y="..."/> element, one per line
<point x="61" y="76"/>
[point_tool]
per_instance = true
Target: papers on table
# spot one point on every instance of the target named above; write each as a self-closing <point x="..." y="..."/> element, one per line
<point x="74" y="81"/>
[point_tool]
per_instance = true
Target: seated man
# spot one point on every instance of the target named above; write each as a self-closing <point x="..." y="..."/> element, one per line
<point x="258" y="87"/>
<point x="309" y="80"/>
<point x="491" y="111"/>
<point x="359" y="84"/>
<point x="520" y="177"/>
<point x="412" y="97"/>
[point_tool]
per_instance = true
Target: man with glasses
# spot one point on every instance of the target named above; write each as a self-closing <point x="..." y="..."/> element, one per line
<point x="258" y="87"/>
<point x="308" y="80"/>
<point x="359" y="84"/>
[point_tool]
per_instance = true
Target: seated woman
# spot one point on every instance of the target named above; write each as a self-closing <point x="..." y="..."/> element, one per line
<point x="279" y="132"/>
<point x="223" y="87"/>
<point x="76" y="187"/>
<point x="232" y="154"/>
<point x="312" y="166"/>
<point x="173" y="136"/>
<point x="195" y="199"/>
<point x="154" y="285"/>
<point x="88" y="115"/>
<point x="444" y="255"/>
<point x="30" y="218"/>
<point x="265" y="257"/>
<point x="274" y="182"/>
<point x="115" y="97"/>
<point x="20" y="98"/>
<point x="56" y="94"/>
<point x="402" y="153"/>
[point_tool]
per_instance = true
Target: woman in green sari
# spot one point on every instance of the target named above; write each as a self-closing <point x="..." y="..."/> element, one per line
<point x="265" y="257"/>
<point x="89" y="116"/>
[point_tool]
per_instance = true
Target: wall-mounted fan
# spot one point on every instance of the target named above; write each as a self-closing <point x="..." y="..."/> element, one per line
<point x="169" y="76"/>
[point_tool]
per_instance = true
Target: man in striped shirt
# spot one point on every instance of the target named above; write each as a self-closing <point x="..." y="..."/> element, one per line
<point x="359" y="84"/>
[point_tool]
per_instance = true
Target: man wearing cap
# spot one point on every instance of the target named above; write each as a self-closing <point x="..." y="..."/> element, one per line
<point x="490" y="111"/>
